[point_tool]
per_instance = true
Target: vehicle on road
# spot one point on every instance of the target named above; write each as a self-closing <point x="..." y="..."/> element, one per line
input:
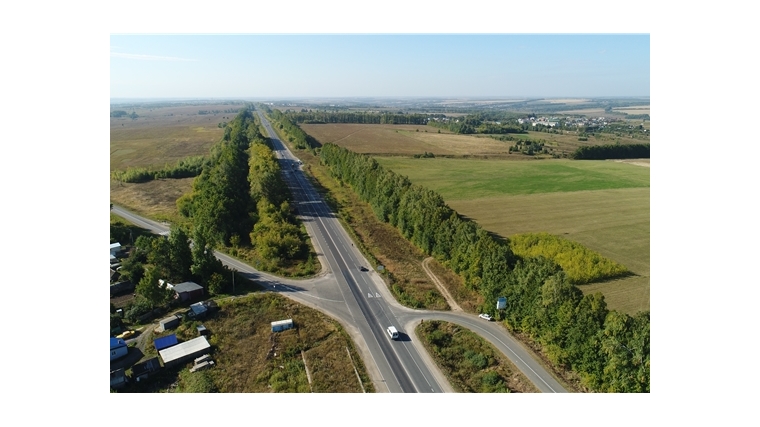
<point x="363" y="268"/>
<point x="392" y="332"/>
<point x="485" y="316"/>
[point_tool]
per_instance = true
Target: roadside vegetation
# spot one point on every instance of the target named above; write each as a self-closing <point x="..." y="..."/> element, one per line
<point x="470" y="363"/>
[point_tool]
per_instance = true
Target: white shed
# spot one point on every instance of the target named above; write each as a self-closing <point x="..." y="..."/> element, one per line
<point x="282" y="325"/>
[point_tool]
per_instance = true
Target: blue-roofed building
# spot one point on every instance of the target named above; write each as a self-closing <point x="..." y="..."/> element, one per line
<point x="165" y="342"/>
<point x="118" y="348"/>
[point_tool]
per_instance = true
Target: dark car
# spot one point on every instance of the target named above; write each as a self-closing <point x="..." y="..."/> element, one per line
<point x="363" y="268"/>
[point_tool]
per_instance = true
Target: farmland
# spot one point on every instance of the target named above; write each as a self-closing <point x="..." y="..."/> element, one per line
<point x="165" y="134"/>
<point x="407" y="140"/>
<point x="602" y="205"/>
<point x="160" y="135"/>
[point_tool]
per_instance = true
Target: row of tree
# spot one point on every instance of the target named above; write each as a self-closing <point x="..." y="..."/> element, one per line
<point x="185" y="168"/>
<point x="240" y="198"/>
<point x="300" y="139"/>
<point x="360" y="117"/>
<point x="608" y="350"/>
<point x="612" y="151"/>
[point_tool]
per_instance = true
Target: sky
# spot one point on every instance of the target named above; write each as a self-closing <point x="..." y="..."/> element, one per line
<point x="379" y="65"/>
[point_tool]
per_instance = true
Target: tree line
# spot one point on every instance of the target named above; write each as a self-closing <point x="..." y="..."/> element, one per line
<point x="479" y="123"/>
<point x="184" y="168"/>
<point x="612" y="151"/>
<point x="609" y="351"/>
<point x="360" y="117"/>
<point x="300" y="139"/>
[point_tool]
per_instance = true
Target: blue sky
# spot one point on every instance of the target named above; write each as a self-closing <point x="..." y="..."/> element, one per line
<point x="393" y="65"/>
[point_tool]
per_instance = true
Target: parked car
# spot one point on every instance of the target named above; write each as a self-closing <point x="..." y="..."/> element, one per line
<point x="485" y="316"/>
<point x="126" y="334"/>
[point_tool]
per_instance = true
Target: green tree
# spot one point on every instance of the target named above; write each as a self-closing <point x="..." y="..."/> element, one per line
<point x="180" y="255"/>
<point x="150" y="289"/>
<point x="216" y="284"/>
<point x="132" y="269"/>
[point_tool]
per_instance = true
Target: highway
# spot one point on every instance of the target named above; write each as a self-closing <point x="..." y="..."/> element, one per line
<point x="361" y="301"/>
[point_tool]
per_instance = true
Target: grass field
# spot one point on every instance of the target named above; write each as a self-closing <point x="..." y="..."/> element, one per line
<point x="601" y="205"/>
<point x="164" y="135"/>
<point x="461" y="179"/>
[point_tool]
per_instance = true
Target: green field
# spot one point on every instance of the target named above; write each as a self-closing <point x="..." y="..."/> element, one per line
<point x="458" y="179"/>
<point x="599" y="204"/>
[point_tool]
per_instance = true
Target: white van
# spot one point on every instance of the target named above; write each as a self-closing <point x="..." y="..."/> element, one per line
<point x="392" y="332"/>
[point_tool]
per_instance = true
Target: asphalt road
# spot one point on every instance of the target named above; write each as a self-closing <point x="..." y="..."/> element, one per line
<point x="361" y="301"/>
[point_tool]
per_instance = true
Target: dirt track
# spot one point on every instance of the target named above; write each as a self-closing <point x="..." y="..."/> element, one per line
<point x="449" y="299"/>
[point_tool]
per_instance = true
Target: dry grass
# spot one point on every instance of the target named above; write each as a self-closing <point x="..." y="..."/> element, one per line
<point x="160" y="136"/>
<point x="468" y="300"/>
<point x="568" y="101"/>
<point x="404" y="140"/>
<point x="154" y="199"/>
<point x="164" y="135"/>
<point x="633" y="110"/>
<point x="252" y="359"/>
<point x="407" y="140"/>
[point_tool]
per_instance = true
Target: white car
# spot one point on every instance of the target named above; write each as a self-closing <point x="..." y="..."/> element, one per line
<point x="485" y="316"/>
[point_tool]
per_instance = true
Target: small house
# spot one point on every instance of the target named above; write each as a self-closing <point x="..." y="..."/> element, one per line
<point x="197" y="310"/>
<point x="170" y="322"/>
<point x="282" y="325"/>
<point x="119" y="348"/>
<point x="187" y="291"/>
<point x="115" y="250"/>
<point x="141" y="371"/>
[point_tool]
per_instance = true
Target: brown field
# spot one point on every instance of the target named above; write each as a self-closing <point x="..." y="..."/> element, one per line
<point x="164" y="135"/>
<point x="407" y="140"/>
<point x="589" y="112"/>
<point x="154" y="199"/>
<point x="633" y="110"/>
<point x="568" y="101"/>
